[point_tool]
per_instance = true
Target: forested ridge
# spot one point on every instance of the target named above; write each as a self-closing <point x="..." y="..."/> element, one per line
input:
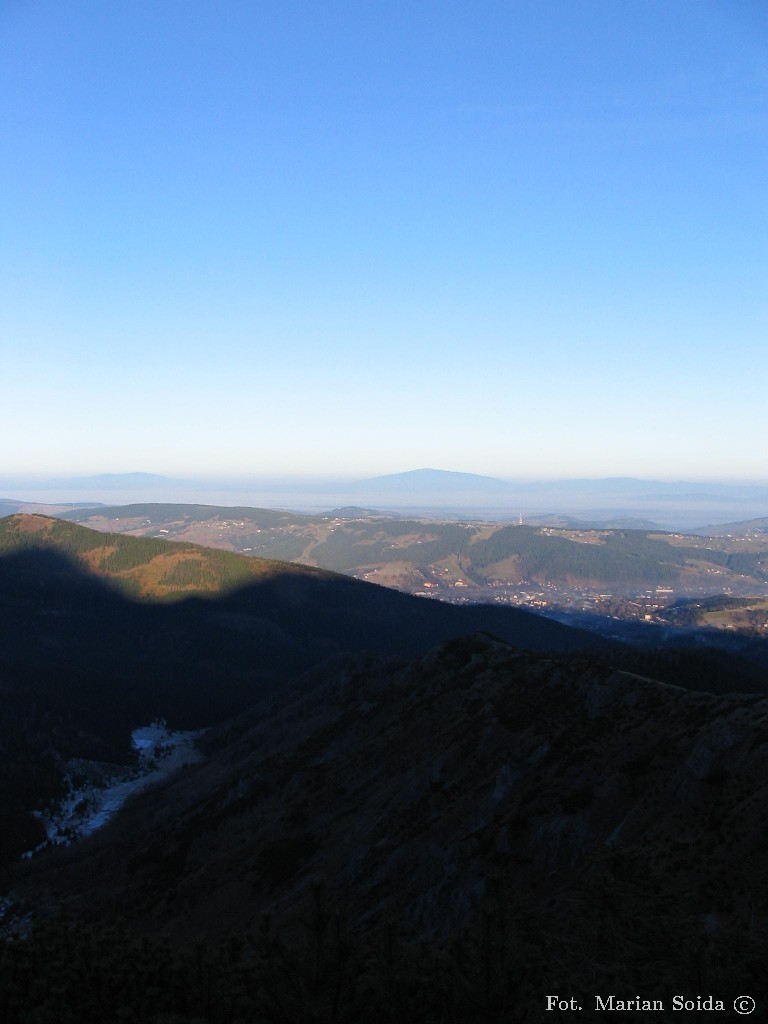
<point x="628" y="559"/>
<point x="138" y="566"/>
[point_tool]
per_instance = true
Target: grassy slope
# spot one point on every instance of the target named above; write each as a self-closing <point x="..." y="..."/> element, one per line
<point x="140" y="566"/>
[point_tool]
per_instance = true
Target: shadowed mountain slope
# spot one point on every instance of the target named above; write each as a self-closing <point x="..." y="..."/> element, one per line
<point x="313" y="606"/>
<point x="604" y="832"/>
<point x="81" y="665"/>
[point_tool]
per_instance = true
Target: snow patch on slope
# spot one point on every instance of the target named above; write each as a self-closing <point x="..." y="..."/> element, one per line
<point x="97" y="790"/>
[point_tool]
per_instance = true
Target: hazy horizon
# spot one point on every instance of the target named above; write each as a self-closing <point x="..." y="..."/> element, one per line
<point x="361" y="476"/>
<point x="676" y="505"/>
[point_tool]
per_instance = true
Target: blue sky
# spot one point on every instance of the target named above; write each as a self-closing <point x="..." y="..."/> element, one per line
<point x="333" y="238"/>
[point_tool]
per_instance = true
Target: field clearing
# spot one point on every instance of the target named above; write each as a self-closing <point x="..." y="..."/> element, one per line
<point x="405" y="540"/>
<point x="483" y="533"/>
<point x="94" y="558"/>
<point x="136" y="526"/>
<point x="391" y="574"/>
<point x="449" y="570"/>
<point x="507" y="569"/>
<point x="725" y="545"/>
<point x="150" y="577"/>
<point x="583" y="537"/>
<point x="753" y="615"/>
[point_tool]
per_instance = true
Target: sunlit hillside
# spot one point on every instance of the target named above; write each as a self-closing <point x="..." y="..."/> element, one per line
<point x="143" y="567"/>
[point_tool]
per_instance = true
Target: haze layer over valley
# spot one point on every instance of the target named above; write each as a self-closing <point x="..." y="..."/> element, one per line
<point x="669" y="505"/>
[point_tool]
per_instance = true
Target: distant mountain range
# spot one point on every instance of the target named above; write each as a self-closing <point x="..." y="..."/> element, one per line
<point x="665" y="504"/>
<point x="418" y="481"/>
<point x="120" y="481"/>
<point x="99" y="480"/>
<point x="757" y="526"/>
<point x="440" y="481"/>
<point x="434" y="481"/>
<point x="9" y="506"/>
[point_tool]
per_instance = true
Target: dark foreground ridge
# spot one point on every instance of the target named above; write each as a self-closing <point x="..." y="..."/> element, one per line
<point x="439" y="839"/>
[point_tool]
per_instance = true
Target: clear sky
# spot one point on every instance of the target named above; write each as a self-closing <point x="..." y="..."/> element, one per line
<point x="526" y="239"/>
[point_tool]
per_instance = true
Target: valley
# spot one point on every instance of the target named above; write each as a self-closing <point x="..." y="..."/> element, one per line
<point x="469" y="562"/>
<point x="377" y="807"/>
